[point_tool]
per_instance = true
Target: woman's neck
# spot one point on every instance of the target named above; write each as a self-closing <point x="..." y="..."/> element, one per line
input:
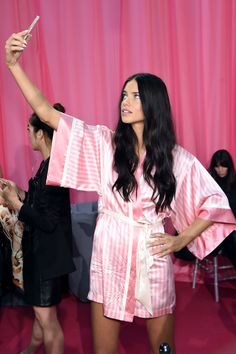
<point x="45" y="151"/>
<point x="140" y="148"/>
<point x="140" y="151"/>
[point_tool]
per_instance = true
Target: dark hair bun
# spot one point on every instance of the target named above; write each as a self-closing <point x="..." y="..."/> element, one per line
<point x="58" y="106"/>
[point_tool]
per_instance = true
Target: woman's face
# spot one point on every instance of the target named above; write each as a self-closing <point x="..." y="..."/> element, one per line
<point x="32" y="137"/>
<point x="131" y="106"/>
<point x="221" y="170"/>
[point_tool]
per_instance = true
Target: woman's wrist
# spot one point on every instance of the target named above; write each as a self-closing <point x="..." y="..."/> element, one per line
<point x="182" y="241"/>
<point x="194" y="230"/>
<point x="12" y="66"/>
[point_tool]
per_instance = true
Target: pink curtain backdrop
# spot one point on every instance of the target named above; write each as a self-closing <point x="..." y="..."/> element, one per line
<point x="83" y="50"/>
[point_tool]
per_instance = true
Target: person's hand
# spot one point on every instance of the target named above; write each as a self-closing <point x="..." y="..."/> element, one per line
<point x="162" y="244"/>
<point x="10" y="197"/>
<point x="15" y="46"/>
<point x="6" y="182"/>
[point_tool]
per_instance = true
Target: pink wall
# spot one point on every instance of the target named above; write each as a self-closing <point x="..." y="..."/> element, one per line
<point x="82" y="51"/>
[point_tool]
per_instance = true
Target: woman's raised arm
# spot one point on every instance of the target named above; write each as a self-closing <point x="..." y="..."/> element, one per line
<point x="40" y="105"/>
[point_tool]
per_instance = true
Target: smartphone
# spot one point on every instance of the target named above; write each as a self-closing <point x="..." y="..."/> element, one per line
<point x="31" y="27"/>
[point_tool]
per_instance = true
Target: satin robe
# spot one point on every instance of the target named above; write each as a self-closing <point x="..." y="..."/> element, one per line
<point x="123" y="275"/>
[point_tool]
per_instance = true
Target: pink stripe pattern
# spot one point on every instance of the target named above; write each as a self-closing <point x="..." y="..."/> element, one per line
<point x="82" y="158"/>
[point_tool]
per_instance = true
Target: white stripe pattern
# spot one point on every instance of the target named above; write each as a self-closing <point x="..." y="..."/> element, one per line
<point x="82" y="158"/>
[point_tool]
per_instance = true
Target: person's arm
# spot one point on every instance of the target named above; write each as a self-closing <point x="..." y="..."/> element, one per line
<point x="6" y="182"/>
<point x="11" y="197"/>
<point x="163" y="244"/>
<point x="46" y="220"/>
<point x="40" y="105"/>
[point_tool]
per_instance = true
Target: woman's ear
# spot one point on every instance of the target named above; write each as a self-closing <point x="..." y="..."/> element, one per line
<point x="40" y="134"/>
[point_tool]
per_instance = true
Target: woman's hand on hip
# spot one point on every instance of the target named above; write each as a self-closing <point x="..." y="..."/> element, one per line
<point x="162" y="244"/>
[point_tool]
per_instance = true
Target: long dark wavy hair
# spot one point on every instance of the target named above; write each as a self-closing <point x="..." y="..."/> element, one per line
<point x="159" y="140"/>
<point x="224" y="159"/>
<point x="37" y="124"/>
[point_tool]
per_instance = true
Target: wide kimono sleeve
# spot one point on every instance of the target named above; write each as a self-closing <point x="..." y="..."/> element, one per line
<point x="199" y="196"/>
<point x="75" y="160"/>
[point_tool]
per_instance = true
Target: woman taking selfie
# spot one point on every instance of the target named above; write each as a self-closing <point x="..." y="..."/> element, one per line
<point x="142" y="177"/>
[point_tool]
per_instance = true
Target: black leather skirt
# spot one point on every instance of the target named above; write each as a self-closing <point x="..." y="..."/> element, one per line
<point x="42" y="293"/>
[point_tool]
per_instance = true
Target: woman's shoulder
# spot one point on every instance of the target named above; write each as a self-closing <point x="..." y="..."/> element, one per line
<point x="181" y="155"/>
<point x="185" y="163"/>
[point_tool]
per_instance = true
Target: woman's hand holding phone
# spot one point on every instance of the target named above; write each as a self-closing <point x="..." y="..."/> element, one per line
<point x="17" y="43"/>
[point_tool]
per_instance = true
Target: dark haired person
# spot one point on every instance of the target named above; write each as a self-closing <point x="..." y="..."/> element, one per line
<point x="223" y="171"/>
<point x="46" y="241"/>
<point x="141" y="177"/>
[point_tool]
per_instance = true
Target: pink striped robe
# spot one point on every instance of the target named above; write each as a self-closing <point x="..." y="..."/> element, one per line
<point x="82" y="158"/>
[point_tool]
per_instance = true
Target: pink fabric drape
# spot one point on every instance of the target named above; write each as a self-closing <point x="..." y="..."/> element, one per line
<point x="82" y="51"/>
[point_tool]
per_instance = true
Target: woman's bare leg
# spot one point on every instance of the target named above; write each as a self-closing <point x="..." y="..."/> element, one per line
<point x="36" y="339"/>
<point x="53" y="338"/>
<point x="105" y="331"/>
<point x="160" y="330"/>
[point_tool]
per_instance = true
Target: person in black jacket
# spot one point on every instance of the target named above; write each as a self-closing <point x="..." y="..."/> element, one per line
<point x="223" y="171"/>
<point x="46" y="242"/>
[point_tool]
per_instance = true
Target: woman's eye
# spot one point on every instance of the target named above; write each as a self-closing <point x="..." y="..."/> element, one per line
<point x="136" y="95"/>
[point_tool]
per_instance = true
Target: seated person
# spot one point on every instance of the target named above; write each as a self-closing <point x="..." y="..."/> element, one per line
<point x="223" y="171"/>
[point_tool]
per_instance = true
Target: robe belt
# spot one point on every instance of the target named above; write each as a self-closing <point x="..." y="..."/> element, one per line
<point x="143" y="260"/>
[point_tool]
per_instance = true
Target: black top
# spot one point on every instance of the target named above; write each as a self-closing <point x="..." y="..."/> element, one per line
<point x="47" y="227"/>
<point x="228" y="246"/>
<point x="231" y="194"/>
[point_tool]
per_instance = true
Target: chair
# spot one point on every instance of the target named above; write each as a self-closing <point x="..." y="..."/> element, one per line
<point x="211" y="265"/>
